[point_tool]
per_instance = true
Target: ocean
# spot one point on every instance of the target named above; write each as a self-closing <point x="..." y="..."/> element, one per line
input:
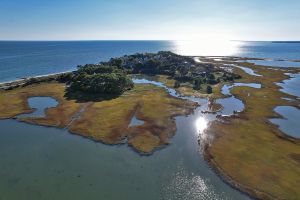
<point x="19" y="59"/>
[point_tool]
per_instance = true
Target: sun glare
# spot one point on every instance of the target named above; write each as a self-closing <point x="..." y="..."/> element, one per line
<point x="208" y="46"/>
<point x="201" y="124"/>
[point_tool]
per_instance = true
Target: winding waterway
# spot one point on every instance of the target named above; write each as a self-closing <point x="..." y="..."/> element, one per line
<point x="57" y="164"/>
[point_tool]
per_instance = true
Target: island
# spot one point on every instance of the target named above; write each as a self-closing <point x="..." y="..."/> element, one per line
<point x="98" y="101"/>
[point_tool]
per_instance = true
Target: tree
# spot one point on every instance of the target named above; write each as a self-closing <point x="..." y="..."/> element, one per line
<point x="211" y="76"/>
<point x="183" y="70"/>
<point x="208" y="89"/>
<point x="96" y="69"/>
<point x="212" y="81"/>
<point x="197" y="84"/>
<point x="151" y="67"/>
<point x="116" y="62"/>
<point x="176" y="84"/>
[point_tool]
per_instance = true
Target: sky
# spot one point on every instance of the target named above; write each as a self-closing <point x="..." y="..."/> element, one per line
<point x="149" y="20"/>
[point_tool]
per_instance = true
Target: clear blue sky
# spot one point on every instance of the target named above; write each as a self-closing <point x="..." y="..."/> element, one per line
<point x="149" y="19"/>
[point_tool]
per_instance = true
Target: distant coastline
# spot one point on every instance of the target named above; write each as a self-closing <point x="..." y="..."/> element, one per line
<point x="22" y="59"/>
<point x="37" y="76"/>
<point x="285" y="41"/>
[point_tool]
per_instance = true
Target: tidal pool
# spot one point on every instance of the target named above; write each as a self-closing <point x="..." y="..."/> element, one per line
<point x="135" y="122"/>
<point x="248" y="70"/>
<point x="290" y="123"/>
<point x="292" y="85"/>
<point x="39" y="104"/>
<point x="231" y="105"/>
<point x="226" y="88"/>
<point x="275" y="63"/>
<point x="171" y="91"/>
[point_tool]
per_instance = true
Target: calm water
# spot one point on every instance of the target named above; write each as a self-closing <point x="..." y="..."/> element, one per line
<point x="39" y="104"/>
<point x="24" y="59"/>
<point x="226" y="88"/>
<point x="292" y="85"/>
<point x="271" y="50"/>
<point x="248" y="70"/>
<point x="290" y="123"/>
<point x="275" y="63"/>
<point x="49" y="163"/>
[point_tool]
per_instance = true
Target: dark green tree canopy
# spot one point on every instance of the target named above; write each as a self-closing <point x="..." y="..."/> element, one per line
<point x="96" y="69"/>
<point x="100" y="79"/>
<point x="209" y="89"/>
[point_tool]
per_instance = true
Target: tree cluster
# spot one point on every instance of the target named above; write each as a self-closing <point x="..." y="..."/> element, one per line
<point x="163" y="62"/>
<point x="99" y="79"/>
<point x="183" y="69"/>
<point x="111" y="77"/>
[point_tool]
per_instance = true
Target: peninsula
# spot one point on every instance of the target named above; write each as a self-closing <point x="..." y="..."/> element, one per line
<point x="104" y="99"/>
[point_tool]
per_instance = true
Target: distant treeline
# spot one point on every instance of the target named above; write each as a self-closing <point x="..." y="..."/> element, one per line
<point x="181" y="68"/>
<point x="112" y="77"/>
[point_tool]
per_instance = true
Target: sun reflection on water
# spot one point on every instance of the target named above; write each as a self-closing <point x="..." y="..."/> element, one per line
<point x="201" y="124"/>
<point x="185" y="185"/>
<point x="207" y="47"/>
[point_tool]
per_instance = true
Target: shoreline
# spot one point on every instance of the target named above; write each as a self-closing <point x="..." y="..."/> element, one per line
<point x="230" y="58"/>
<point x="21" y="82"/>
<point x="161" y="133"/>
<point x="37" y="76"/>
<point x="206" y="154"/>
<point x="212" y="152"/>
<point x="252" y="192"/>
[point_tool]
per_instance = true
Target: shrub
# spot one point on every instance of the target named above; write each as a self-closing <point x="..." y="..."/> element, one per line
<point x="209" y="89"/>
<point x="197" y="84"/>
<point x="176" y="84"/>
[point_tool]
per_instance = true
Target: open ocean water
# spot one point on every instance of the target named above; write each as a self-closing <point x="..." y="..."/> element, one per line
<point x="24" y="59"/>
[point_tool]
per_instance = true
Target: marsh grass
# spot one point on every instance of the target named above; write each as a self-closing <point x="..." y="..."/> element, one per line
<point x="108" y="120"/>
<point x="104" y="118"/>
<point x="248" y="150"/>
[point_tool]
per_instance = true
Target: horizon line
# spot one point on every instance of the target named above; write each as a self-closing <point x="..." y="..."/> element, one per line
<point x="120" y="40"/>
